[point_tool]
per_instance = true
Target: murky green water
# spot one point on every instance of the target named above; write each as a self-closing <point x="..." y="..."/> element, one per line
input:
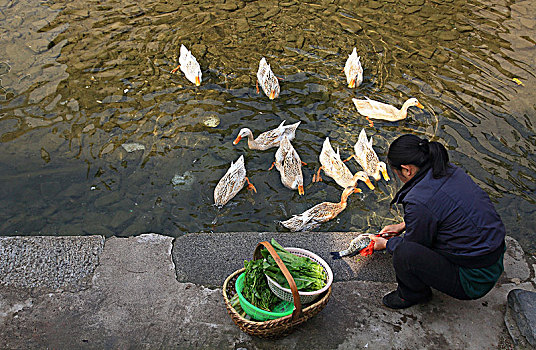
<point x="97" y="137"/>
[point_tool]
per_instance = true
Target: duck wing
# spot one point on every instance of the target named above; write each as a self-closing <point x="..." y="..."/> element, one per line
<point x="272" y="138"/>
<point x="374" y="109"/>
<point x="291" y="172"/>
<point x="333" y="166"/>
<point x="231" y="183"/>
<point x="353" y="69"/>
<point x="189" y="65"/>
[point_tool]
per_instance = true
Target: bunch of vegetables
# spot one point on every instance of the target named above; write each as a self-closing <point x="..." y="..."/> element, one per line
<point x="308" y="275"/>
<point x="256" y="289"/>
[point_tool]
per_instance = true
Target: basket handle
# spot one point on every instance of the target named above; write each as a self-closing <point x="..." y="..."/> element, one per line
<point x="295" y="295"/>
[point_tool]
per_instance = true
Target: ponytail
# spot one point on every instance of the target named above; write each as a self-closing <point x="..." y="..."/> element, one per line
<point x="439" y="158"/>
<point x="411" y="149"/>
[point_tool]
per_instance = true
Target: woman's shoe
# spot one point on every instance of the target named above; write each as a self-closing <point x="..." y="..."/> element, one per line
<point x="394" y="301"/>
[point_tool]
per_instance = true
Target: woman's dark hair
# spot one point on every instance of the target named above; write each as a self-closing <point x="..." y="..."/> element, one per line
<point x="411" y="149"/>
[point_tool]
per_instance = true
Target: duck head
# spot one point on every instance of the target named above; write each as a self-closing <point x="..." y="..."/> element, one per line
<point x="361" y="175"/>
<point x="413" y="102"/>
<point x="245" y="132"/>
<point x="298" y="183"/>
<point x="383" y="169"/>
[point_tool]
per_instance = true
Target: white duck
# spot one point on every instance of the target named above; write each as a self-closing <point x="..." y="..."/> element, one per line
<point x="267" y="80"/>
<point x="313" y="217"/>
<point x="368" y="159"/>
<point x="353" y="70"/>
<point x="189" y="66"/>
<point x="335" y="168"/>
<point x="289" y="164"/>
<point x="378" y="110"/>
<point x="231" y="183"/>
<point x="270" y="138"/>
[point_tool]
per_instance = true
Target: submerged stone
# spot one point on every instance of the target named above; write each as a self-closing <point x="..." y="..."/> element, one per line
<point x="411" y="9"/>
<point x="183" y="181"/>
<point x="211" y="121"/>
<point x="449" y="35"/>
<point x="132" y="147"/>
<point x="4" y="68"/>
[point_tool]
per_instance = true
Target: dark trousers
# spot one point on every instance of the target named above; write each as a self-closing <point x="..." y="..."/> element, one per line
<point x="418" y="268"/>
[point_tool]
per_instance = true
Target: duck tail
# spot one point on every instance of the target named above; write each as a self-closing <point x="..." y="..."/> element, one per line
<point x="335" y="255"/>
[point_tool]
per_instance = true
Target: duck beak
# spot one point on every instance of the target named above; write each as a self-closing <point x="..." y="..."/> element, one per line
<point x="369" y="184"/>
<point x="420" y="105"/>
<point x="237" y="140"/>
<point x="357" y="190"/>
<point x="300" y="190"/>
<point x="197" y="81"/>
<point x="385" y="176"/>
<point x="352" y="83"/>
<point x="272" y="95"/>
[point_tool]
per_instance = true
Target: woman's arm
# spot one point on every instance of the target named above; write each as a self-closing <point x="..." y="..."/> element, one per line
<point x="379" y="242"/>
<point x="397" y="228"/>
<point x="420" y="225"/>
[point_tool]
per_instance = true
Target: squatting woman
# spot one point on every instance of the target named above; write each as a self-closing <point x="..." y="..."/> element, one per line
<point x="453" y="238"/>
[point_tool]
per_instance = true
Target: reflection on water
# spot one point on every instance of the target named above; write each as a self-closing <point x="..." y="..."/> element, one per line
<point x="97" y="137"/>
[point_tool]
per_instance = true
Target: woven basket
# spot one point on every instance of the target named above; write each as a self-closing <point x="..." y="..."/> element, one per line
<point x="306" y="297"/>
<point x="280" y="326"/>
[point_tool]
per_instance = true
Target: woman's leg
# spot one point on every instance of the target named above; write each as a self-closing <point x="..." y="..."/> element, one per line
<point x="418" y="268"/>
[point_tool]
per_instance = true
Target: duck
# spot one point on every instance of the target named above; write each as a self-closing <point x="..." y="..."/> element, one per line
<point x="353" y="70"/>
<point x="231" y="183"/>
<point x="189" y="66"/>
<point x="289" y="164"/>
<point x="378" y="110"/>
<point x="320" y="213"/>
<point x="267" y="80"/>
<point x="270" y="138"/>
<point x="335" y="168"/>
<point x="368" y="159"/>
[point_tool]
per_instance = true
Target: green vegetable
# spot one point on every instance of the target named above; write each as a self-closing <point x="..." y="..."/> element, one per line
<point x="308" y="274"/>
<point x="256" y="289"/>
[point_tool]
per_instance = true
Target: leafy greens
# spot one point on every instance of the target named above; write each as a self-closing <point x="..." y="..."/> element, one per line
<point x="308" y="274"/>
<point x="256" y="289"/>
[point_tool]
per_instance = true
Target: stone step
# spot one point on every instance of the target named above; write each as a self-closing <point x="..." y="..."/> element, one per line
<point x="208" y="258"/>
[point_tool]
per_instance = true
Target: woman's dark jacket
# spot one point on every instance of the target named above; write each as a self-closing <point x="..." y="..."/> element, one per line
<point x="451" y="215"/>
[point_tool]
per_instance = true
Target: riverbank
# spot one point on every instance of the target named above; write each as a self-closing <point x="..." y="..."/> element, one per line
<point x="153" y="291"/>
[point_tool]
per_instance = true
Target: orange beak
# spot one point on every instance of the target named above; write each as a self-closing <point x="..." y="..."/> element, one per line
<point x="237" y="140"/>
<point x="358" y="190"/>
<point x="272" y="95"/>
<point x="197" y="81"/>
<point x="369" y="184"/>
<point x="385" y="176"/>
<point x="420" y="105"/>
<point x="300" y="190"/>
<point x="352" y="83"/>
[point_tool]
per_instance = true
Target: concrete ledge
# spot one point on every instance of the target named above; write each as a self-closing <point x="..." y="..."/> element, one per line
<point x="134" y="300"/>
<point x="49" y="262"/>
<point x="208" y="258"/>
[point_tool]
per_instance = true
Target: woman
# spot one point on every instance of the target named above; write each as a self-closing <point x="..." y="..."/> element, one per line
<point x="454" y="238"/>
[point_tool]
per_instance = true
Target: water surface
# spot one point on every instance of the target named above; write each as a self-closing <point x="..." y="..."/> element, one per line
<point x="97" y="137"/>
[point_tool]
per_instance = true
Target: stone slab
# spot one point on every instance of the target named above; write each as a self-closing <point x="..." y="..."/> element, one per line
<point x="515" y="264"/>
<point x="522" y="310"/>
<point x="134" y="300"/>
<point x="208" y="258"/>
<point x="49" y="262"/>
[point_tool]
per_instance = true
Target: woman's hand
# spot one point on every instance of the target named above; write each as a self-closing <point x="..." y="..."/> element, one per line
<point x="395" y="229"/>
<point x="379" y="242"/>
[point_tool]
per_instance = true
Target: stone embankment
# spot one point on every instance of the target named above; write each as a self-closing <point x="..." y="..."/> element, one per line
<point x="153" y="291"/>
